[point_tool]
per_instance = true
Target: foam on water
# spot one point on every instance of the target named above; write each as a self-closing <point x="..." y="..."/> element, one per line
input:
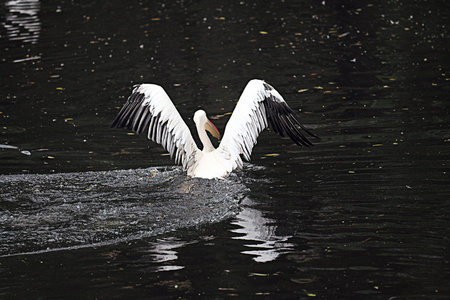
<point x="72" y="210"/>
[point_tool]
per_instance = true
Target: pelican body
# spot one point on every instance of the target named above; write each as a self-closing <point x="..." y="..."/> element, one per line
<point x="259" y="107"/>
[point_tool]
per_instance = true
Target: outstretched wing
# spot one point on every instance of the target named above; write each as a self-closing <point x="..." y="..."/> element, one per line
<point x="150" y="107"/>
<point x="260" y="106"/>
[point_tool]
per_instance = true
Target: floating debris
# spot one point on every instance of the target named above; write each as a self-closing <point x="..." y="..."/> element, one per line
<point x="3" y="146"/>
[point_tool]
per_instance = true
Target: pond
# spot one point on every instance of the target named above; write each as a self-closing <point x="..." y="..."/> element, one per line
<point x="87" y="211"/>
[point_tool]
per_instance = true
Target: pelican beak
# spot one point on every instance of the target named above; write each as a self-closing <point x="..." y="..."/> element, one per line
<point x="212" y="129"/>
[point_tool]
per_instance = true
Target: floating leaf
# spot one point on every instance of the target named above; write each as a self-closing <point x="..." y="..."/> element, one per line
<point x="262" y="294"/>
<point x="2" y="146"/>
<point x="302" y="280"/>
<point x="259" y="274"/>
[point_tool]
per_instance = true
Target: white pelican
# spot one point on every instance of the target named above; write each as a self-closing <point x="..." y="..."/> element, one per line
<point x="259" y="107"/>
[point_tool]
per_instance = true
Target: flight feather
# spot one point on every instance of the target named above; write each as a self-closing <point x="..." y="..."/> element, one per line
<point x="150" y="107"/>
<point x="260" y="106"/>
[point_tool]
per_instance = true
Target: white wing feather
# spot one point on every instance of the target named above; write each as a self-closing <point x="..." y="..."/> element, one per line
<point x="150" y="107"/>
<point x="259" y="107"/>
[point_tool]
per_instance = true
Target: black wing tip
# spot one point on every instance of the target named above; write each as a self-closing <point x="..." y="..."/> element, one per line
<point x="113" y="124"/>
<point x="131" y="113"/>
<point x="298" y="130"/>
<point x="267" y="86"/>
<point x="282" y="119"/>
<point x="312" y="134"/>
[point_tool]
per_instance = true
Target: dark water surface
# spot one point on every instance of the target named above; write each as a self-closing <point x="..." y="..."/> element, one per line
<point x="91" y="212"/>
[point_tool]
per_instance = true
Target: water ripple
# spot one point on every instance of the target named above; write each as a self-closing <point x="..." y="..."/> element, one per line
<point x="59" y="211"/>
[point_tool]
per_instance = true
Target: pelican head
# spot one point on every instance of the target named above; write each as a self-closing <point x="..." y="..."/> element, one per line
<point x="202" y="122"/>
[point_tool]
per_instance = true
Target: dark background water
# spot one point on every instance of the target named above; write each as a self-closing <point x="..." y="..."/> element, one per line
<point x="362" y="214"/>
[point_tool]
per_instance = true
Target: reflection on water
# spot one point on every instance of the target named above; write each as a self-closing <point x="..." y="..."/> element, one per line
<point x="22" y="20"/>
<point x="164" y="253"/>
<point x="257" y="228"/>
